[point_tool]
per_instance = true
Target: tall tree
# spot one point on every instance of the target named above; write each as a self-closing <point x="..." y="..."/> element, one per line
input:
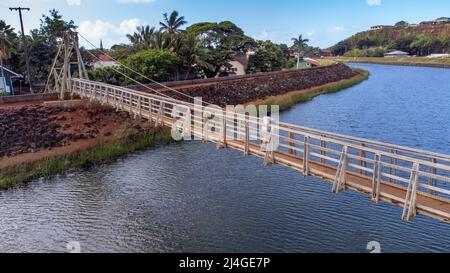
<point x="135" y="39"/>
<point x="53" y="26"/>
<point x="193" y="55"/>
<point x="268" y="57"/>
<point x="172" y="23"/>
<point x="222" y="41"/>
<point x="299" y="45"/>
<point x="162" y="41"/>
<point x="9" y="40"/>
<point x="143" y="38"/>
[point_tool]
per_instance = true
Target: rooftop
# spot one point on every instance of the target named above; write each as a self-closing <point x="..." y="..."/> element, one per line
<point x="397" y="52"/>
<point x="105" y="58"/>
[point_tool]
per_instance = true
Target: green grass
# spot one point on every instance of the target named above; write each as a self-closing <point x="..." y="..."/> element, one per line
<point x="288" y="100"/>
<point x="104" y="153"/>
<point x="326" y="62"/>
<point x="444" y="62"/>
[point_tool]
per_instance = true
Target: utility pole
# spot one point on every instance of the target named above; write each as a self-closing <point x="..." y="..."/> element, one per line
<point x="25" y="46"/>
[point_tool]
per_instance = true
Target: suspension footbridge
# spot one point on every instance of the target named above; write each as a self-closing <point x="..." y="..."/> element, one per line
<point x="416" y="180"/>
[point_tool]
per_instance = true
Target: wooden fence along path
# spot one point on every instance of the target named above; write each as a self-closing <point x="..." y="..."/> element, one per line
<point x="416" y="180"/>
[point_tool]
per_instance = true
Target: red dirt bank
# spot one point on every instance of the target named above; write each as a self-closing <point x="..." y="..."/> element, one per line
<point x="30" y="131"/>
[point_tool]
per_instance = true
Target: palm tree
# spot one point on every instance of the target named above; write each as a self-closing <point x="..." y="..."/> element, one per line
<point x="7" y="43"/>
<point x="147" y="34"/>
<point x="143" y="37"/>
<point x="172" y="23"/>
<point x="135" y="39"/>
<point x="177" y="43"/>
<point x="162" y="41"/>
<point x="299" y="44"/>
<point x="193" y="54"/>
<point x="7" y="37"/>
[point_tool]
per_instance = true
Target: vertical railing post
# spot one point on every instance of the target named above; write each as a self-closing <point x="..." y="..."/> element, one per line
<point x="205" y="128"/>
<point x="376" y="179"/>
<point x="222" y="143"/>
<point x="108" y="89"/>
<point x="122" y="101"/>
<point x="291" y="143"/>
<point x="140" y="106"/>
<point x="362" y="154"/>
<point x="150" y="112"/>
<point x="433" y="170"/>
<point x="160" y="114"/>
<point x="323" y="144"/>
<point x="306" y="156"/>
<point x="247" y="138"/>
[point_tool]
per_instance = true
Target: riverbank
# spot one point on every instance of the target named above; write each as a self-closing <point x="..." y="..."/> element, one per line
<point x="412" y="61"/>
<point x="39" y="141"/>
<point x="44" y="141"/>
<point x="244" y="89"/>
<point x="286" y="101"/>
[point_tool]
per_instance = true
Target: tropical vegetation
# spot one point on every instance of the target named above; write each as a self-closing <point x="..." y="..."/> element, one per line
<point x="421" y="40"/>
<point x="170" y="51"/>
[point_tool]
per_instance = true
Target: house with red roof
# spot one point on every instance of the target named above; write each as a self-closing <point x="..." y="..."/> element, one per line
<point x="104" y="61"/>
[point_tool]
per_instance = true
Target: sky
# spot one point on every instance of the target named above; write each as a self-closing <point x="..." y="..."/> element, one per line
<point x="323" y="22"/>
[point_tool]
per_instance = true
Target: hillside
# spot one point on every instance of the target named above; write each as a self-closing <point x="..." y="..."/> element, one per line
<point x="421" y="40"/>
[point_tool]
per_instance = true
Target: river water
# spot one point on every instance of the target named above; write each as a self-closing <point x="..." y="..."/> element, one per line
<point x="189" y="197"/>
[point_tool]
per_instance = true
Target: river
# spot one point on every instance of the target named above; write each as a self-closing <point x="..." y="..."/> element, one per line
<point x="189" y="197"/>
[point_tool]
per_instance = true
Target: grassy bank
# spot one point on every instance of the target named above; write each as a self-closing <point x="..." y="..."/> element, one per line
<point x="288" y="100"/>
<point x="412" y="61"/>
<point x="103" y="153"/>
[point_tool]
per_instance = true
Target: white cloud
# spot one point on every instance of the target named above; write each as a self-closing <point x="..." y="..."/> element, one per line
<point x="136" y="1"/>
<point x="109" y="33"/>
<point x="73" y="2"/>
<point x="310" y="33"/>
<point x="374" y="2"/>
<point x="336" y="29"/>
<point x="263" y="35"/>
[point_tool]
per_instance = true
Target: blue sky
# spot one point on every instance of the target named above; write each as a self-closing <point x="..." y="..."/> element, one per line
<point x="324" y="22"/>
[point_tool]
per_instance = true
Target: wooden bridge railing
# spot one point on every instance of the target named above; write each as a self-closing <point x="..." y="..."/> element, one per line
<point x="417" y="180"/>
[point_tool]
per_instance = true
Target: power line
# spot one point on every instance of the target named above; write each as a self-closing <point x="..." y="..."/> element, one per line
<point x="25" y="46"/>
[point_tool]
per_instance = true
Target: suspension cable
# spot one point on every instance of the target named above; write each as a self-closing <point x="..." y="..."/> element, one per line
<point x="128" y="77"/>
<point x="140" y="74"/>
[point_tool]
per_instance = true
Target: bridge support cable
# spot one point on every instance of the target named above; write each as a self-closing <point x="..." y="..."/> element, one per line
<point x="142" y="75"/>
<point x="135" y="81"/>
<point x="163" y="94"/>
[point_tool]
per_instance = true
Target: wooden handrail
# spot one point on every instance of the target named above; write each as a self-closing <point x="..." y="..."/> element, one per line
<point x="309" y="150"/>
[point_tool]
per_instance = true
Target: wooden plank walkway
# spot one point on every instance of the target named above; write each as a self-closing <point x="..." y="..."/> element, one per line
<point x="416" y="180"/>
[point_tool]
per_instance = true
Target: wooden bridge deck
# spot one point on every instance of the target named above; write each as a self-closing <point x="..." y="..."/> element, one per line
<point x="427" y="204"/>
<point x="417" y="180"/>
